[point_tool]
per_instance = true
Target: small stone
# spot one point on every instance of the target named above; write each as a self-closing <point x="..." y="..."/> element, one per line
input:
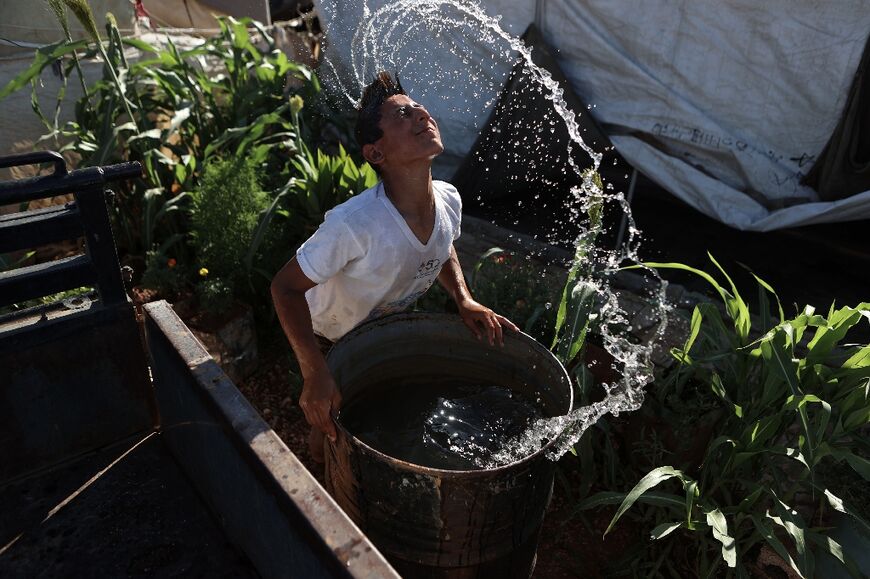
<point x="267" y="412"/>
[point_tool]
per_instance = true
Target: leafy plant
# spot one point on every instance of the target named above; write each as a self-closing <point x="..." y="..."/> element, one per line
<point x="164" y="274"/>
<point x="794" y="397"/>
<point x="173" y="110"/>
<point x="516" y="288"/>
<point x="573" y="319"/>
<point x="226" y="211"/>
<point x="323" y="181"/>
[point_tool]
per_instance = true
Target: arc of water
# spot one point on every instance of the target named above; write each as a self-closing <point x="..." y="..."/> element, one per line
<point x="387" y="30"/>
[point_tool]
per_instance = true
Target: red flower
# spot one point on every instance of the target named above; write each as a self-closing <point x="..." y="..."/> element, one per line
<point x="171" y="262"/>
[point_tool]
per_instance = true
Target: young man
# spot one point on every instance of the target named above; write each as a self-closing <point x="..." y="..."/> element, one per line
<point x="378" y="252"/>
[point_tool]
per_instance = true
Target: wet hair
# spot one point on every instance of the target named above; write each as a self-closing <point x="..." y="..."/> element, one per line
<point x="368" y="120"/>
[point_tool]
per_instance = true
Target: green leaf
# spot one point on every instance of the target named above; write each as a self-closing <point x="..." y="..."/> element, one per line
<point x="606" y="498"/>
<point x="789" y="520"/>
<point x="735" y="305"/>
<point x="723" y="293"/>
<point x="139" y="44"/>
<point x="652" y="479"/>
<point x="45" y="57"/>
<point x="578" y="320"/>
<point x="829" y="336"/>
<point x="834" y="548"/>
<point x="763" y="285"/>
<point x="263" y="225"/>
<point x="718" y="388"/>
<point x="664" y="530"/>
<point x="761" y="432"/>
<point x="748" y="502"/>
<point x="838" y="505"/>
<point x="719" y="525"/>
<point x="860" y="359"/>
<point x="781" y="355"/>
<point x="859" y="464"/>
<point x="766" y="531"/>
<point x="857" y="419"/>
<point x="492" y="251"/>
<point x="692" y="493"/>
<point x="723" y="440"/>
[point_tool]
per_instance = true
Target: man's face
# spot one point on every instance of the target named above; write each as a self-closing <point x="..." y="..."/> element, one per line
<point x="410" y="134"/>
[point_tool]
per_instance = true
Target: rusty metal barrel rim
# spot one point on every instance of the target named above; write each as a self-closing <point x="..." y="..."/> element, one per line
<point x="400" y="318"/>
<point x="432" y="522"/>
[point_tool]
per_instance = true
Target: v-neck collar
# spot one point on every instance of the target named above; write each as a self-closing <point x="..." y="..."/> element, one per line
<point x="403" y="225"/>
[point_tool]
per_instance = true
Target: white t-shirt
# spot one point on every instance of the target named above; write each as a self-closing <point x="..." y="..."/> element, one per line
<point x="368" y="263"/>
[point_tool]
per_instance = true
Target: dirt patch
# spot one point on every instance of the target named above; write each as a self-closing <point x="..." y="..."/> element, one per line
<point x="274" y="391"/>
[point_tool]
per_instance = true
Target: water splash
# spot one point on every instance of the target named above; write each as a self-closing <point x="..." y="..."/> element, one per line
<point x="386" y="39"/>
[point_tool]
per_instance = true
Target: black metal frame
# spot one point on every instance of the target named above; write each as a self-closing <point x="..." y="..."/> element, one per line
<point x="88" y="216"/>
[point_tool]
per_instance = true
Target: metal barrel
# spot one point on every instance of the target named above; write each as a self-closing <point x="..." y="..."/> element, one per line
<point x="444" y="523"/>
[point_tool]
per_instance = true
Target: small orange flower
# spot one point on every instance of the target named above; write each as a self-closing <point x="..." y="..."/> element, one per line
<point x="171" y="262"/>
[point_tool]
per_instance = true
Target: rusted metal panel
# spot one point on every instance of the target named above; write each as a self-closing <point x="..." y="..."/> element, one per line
<point x="70" y="384"/>
<point x="60" y="182"/>
<point x="433" y="522"/>
<point x="269" y="504"/>
<point x="125" y="510"/>
<point x="42" y="279"/>
<point x="37" y="227"/>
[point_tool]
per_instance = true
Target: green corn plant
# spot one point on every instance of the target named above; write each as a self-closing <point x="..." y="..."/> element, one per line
<point x="795" y="398"/>
<point x="83" y="13"/>
<point x="573" y="321"/>
<point x="59" y="9"/>
<point x="173" y="110"/>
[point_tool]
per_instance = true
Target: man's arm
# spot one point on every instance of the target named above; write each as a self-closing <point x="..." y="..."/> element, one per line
<point x="320" y="395"/>
<point x="476" y="316"/>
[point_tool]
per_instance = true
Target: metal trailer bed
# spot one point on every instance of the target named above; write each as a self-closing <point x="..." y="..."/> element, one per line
<point x="124" y="449"/>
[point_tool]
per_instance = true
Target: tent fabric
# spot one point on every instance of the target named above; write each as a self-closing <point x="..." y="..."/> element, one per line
<point x="510" y="158"/>
<point x="727" y="104"/>
<point x="843" y="167"/>
<point x="460" y="127"/>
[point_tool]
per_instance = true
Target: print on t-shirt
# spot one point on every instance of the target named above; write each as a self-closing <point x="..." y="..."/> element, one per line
<point x="428" y="267"/>
<point x="398" y="305"/>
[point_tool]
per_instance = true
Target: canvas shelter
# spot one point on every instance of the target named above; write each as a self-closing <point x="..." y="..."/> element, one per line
<point x="755" y="114"/>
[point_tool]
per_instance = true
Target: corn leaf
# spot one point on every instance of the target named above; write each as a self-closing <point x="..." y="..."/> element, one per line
<point x="652" y="479"/>
<point x="665" y="529"/>
<point x="766" y="531"/>
<point x="606" y="498"/>
<point x="788" y="519"/>
<point x="719" y="525"/>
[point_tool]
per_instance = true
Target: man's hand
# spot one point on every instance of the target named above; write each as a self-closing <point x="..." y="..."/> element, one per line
<point x="319" y="400"/>
<point x="483" y="321"/>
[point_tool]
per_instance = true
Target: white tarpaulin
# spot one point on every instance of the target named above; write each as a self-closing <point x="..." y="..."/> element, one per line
<point x="725" y="103"/>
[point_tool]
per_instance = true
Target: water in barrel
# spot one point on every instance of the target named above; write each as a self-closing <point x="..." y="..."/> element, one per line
<point x="453" y="425"/>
